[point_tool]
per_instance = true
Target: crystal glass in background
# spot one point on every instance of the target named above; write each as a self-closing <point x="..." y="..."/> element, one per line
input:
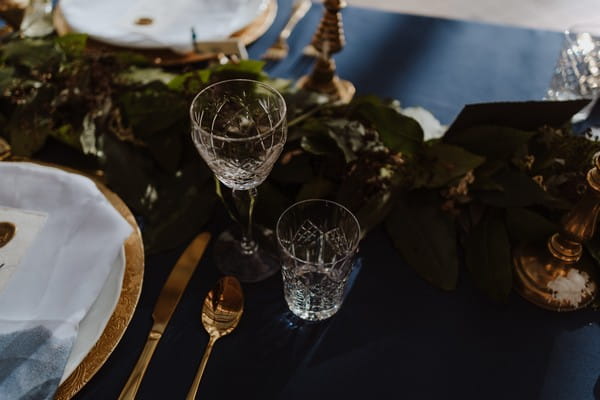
<point x="577" y="72"/>
<point x="239" y="128"/>
<point x="317" y="240"/>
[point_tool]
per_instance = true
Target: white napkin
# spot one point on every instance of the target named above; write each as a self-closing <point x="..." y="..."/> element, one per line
<point x="114" y="21"/>
<point x="59" y="277"/>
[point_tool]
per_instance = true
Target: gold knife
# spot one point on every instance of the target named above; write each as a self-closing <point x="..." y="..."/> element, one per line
<point x="163" y="310"/>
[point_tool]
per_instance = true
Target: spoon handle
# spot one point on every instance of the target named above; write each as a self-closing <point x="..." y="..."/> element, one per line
<point x="192" y="393"/>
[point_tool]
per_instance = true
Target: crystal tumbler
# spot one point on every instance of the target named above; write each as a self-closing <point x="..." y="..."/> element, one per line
<point x="317" y="240"/>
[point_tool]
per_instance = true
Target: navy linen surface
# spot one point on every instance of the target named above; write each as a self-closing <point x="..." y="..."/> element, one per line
<point x="396" y="337"/>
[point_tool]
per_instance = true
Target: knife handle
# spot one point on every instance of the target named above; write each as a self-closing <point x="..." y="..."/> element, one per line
<point x="133" y="383"/>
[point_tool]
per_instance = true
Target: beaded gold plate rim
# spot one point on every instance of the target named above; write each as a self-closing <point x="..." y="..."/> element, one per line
<point x="247" y="35"/>
<point x="126" y="304"/>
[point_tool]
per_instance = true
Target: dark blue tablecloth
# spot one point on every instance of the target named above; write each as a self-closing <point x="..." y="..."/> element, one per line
<point x="396" y="336"/>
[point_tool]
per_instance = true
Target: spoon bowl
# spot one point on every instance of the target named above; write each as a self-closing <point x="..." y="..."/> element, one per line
<point x="221" y="312"/>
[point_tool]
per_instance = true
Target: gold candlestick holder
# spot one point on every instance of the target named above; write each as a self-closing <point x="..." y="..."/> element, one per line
<point x="328" y="39"/>
<point x="536" y="267"/>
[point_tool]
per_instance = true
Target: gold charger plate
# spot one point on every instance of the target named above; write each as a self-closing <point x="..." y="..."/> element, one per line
<point x="246" y="35"/>
<point x="128" y="298"/>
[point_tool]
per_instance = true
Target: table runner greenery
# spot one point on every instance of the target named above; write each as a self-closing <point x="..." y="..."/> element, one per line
<point x="467" y="197"/>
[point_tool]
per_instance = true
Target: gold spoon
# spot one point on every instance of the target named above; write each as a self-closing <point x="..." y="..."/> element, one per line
<point x="221" y="312"/>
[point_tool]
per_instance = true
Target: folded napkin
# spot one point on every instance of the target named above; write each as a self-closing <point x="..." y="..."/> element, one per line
<point x="159" y="23"/>
<point x="57" y="279"/>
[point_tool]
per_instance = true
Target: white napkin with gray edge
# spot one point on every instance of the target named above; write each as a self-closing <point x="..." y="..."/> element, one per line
<point x="58" y="277"/>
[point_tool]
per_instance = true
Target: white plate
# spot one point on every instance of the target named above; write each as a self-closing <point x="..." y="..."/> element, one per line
<point x="93" y="324"/>
<point x="168" y="23"/>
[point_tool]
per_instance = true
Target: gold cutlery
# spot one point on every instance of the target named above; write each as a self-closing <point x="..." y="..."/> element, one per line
<point x="221" y="312"/>
<point x="165" y="306"/>
<point x="279" y="50"/>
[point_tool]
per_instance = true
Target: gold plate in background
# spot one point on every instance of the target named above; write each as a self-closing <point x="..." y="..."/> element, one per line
<point x="128" y="299"/>
<point x="166" y="57"/>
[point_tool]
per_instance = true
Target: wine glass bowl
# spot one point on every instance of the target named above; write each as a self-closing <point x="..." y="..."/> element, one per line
<point x="239" y="128"/>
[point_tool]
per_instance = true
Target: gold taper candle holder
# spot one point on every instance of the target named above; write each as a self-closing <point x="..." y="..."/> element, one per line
<point x="536" y="267"/>
<point x="329" y="39"/>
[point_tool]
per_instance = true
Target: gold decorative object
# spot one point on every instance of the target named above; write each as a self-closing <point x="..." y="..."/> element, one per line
<point x="12" y="13"/>
<point x="7" y="232"/>
<point x="5" y="151"/>
<point x="166" y="57"/>
<point x="221" y="312"/>
<point x="121" y="316"/>
<point x="144" y="21"/>
<point x="329" y="39"/>
<point x="279" y="50"/>
<point x="165" y="306"/>
<point x="536" y="267"/>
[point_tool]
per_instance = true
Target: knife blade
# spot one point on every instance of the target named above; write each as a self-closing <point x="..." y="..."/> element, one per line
<point x="167" y="301"/>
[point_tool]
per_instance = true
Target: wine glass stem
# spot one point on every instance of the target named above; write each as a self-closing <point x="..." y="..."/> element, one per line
<point x="247" y="243"/>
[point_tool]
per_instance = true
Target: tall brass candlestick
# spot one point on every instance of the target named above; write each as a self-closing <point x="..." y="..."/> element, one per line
<point x="536" y="267"/>
<point x="329" y="39"/>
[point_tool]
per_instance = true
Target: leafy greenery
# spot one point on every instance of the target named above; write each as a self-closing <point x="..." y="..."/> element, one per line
<point x="476" y="193"/>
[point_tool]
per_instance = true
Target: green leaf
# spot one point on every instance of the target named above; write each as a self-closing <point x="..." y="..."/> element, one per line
<point x="194" y="209"/>
<point x="142" y="76"/>
<point x="245" y="69"/>
<point x="166" y="148"/>
<point x="488" y="258"/>
<point x="320" y="145"/>
<point x="152" y="109"/>
<point x="7" y="78"/>
<point x="297" y="169"/>
<point x="398" y="132"/>
<point x="68" y="135"/>
<point x="426" y="238"/>
<point x="374" y="211"/>
<point x="519" y="190"/>
<point x="527" y="226"/>
<point x="128" y="171"/>
<point x="493" y="142"/>
<point x="192" y="81"/>
<point x="270" y="203"/>
<point x="447" y="162"/>
<point x="72" y="44"/>
<point x="318" y="188"/>
<point x="35" y="54"/>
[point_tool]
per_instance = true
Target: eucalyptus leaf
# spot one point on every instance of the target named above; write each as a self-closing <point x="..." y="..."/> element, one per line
<point x="425" y="237"/>
<point x="488" y="258"/>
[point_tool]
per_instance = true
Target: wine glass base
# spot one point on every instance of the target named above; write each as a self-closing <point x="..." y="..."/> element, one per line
<point x="248" y="268"/>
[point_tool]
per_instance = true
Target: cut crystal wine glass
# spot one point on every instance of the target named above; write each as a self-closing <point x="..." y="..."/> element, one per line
<point x="239" y="128"/>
